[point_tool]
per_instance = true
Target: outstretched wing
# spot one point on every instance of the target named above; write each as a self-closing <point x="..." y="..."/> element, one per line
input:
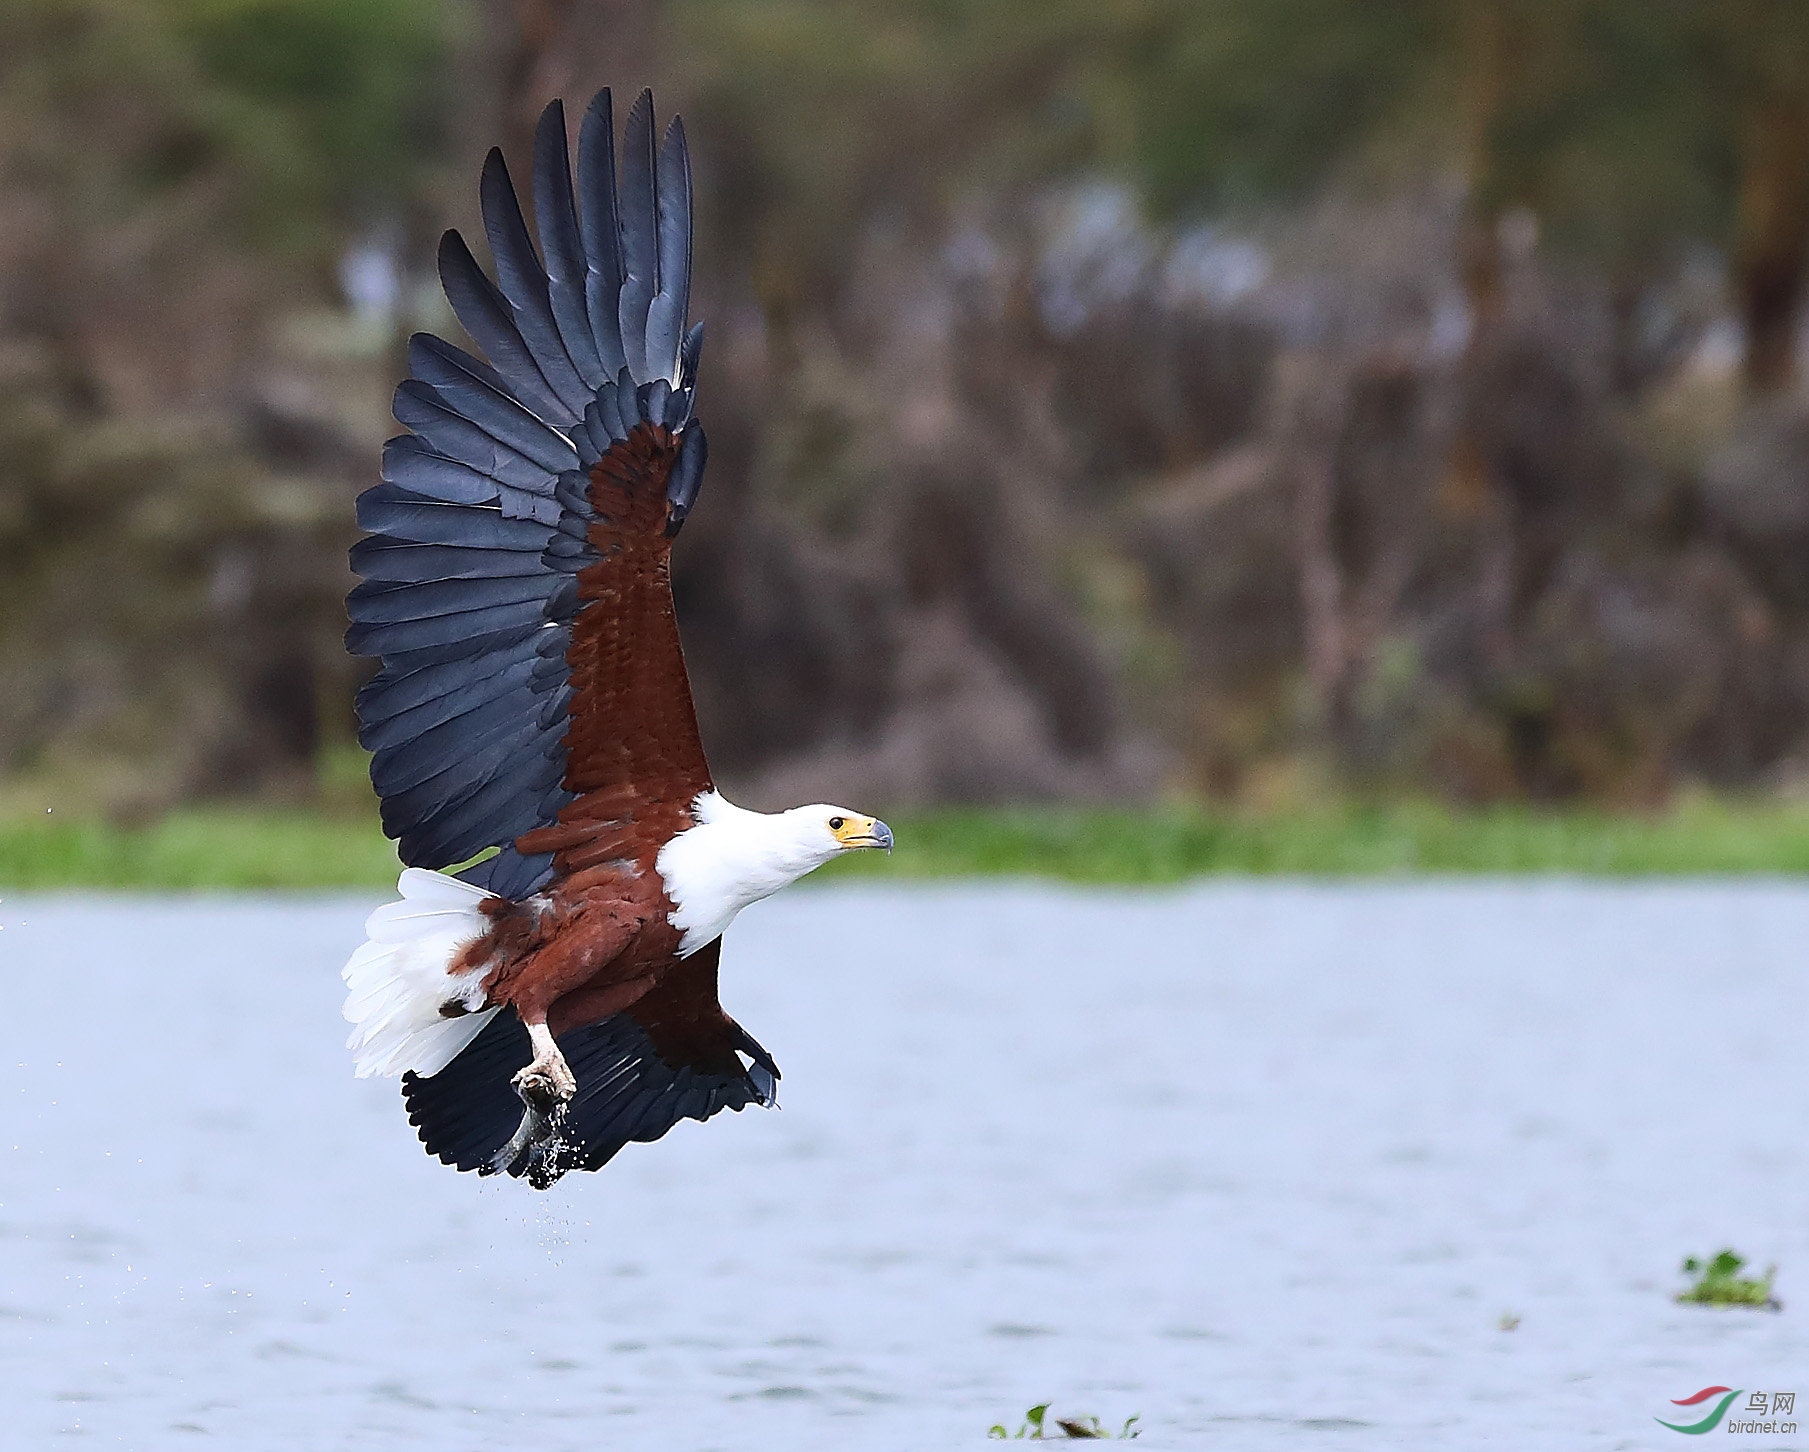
<point x="674" y="1055"/>
<point x="515" y="581"/>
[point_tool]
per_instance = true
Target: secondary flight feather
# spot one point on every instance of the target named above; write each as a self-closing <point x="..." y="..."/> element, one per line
<point x="559" y="999"/>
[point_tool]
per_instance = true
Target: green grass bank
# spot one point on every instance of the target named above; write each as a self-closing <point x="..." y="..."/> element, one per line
<point x="271" y="848"/>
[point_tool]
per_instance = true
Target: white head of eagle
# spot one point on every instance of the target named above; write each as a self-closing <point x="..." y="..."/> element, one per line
<point x="733" y="857"/>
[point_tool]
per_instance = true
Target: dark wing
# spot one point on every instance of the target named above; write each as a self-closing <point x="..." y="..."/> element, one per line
<point x="674" y="1055"/>
<point x="515" y="577"/>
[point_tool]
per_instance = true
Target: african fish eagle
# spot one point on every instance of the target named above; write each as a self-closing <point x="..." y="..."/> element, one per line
<point x="558" y="999"/>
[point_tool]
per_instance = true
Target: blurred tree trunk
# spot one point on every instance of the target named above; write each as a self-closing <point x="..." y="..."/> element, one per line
<point x="1772" y="242"/>
<point x="1470" y="482"/>
<point x="1315" y="421"/>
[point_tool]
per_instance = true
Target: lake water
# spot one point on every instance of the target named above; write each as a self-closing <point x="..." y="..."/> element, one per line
<point x="1265" y="1163"/>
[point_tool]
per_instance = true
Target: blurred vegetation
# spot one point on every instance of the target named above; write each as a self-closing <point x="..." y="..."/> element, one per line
<point x="179" y="180"/>
<point x="198" y="848"/>
<point x="1148" y="401"/>
<point x="297" y="849"/>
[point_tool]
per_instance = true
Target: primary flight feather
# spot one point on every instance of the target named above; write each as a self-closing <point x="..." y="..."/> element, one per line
<point x="557" y="1000"/>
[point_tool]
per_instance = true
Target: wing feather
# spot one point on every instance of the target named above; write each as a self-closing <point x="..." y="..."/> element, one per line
<point x="666" y="313"/>
<point x="397" y="513"/>
<point x="378" y="559"/>
<point x="477" y="393"/>
<point x="523" y="282"/>
<point x="487" y="806"/>
<point x="637" y="203"/>
<point x="450" y="705"/>
<point x="482" y="742"/>
<point x="557" y="217"/>
<point x="482" y="709"/>
<point x="602" y="233"/>
<point x="482" y="439"/>
<point x="450" y="630"/>
<point x="393" y="692"/>
<point x="486" y="315"/>
<point x="383" y="602"/>
<point x="415" y="469"/>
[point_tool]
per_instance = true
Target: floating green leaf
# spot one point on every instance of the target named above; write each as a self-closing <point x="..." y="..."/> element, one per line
<point x="1080" y="1428"/>
<point x="1719" y="1283"/>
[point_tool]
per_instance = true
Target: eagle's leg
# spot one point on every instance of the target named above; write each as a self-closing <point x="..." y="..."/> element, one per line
<point x="546" y="1086"/>
<point x="547" y="1083"/>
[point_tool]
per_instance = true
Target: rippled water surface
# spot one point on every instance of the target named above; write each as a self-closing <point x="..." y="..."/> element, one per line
<point x="1267" y="1164"/>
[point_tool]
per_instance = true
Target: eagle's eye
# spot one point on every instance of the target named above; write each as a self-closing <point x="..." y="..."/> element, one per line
<point x="837" y="823"/>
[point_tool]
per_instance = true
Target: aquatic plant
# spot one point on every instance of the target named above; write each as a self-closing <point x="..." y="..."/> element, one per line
<point x="1034" y="1429"/>
<point x="1719" y="1283"/>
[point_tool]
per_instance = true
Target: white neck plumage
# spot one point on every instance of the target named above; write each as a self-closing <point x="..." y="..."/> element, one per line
<point x="733" y="858"/>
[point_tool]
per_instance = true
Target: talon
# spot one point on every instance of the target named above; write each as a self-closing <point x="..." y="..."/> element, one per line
<point x="545" y="1087"/>
<point x="541" y="1090"/>
<point x="548" y="1081"/>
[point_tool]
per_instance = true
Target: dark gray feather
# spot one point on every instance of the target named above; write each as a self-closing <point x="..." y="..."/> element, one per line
<point x="691" y="354"/>
<point x="489" y="815"/>
<point x="378" y="559"/>
<point x="601" y="232"/>
<point x="687" y="477"/>
<point x="637" y="217"/>
<point x="666" y="313"/>
<point x="486" y="315"/>
<point x="383" y="602"/>
<point x="481" y="706"/>
<point x="523" y="281"/>
<point x="406" y="807"/>
<point x="380" y="734"/>
<point x="386" y="509"/>
<point x="449" y="432"/>
<point x="419" y="785"/>
<point x="509" y="874"/>
<point x="653" y="407"/>
<point x="557" y="216"/>
<point x="406" y="662"/>
<point x="477" y="392"/>
<point x="410" y="463"/>
<point x="496" y="798"/>
<point x="628" y="408"/>
<point x="386" y="695"/>
<point x="385" y="637"/>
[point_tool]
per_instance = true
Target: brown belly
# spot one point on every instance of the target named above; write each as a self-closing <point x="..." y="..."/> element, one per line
<point x="617" y="984"/>
<point x="591" y="946"/>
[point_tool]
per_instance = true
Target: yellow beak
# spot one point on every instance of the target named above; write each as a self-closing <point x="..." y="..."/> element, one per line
<point x="866" y="832"/>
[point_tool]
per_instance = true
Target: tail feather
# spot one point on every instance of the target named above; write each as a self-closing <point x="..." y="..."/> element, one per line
<point x="399" y="983"/>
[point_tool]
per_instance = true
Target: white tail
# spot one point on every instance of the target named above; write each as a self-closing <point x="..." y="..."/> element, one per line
<point x="398" y="982"/>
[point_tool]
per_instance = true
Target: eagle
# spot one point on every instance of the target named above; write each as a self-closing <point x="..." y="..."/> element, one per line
<point x="555" y="997"/>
